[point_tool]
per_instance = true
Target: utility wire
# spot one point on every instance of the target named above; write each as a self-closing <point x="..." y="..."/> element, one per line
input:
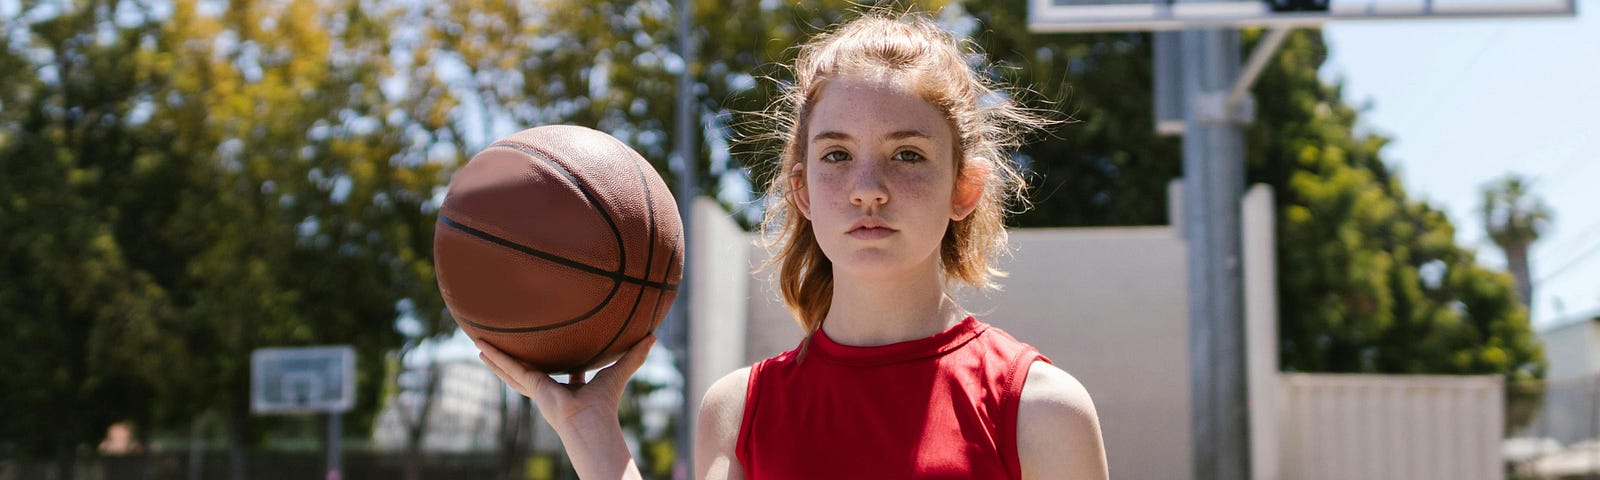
<point x="1582" y="238"/>
<point x="1593" y="249"/>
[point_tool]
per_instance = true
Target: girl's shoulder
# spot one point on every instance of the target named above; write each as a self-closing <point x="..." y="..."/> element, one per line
<point x="721" y="416"/>
<point x="1058" y="429"/>
<point x="726" y="395"/>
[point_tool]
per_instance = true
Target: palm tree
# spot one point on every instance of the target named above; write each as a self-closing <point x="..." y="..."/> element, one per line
<point x="1514" y="219"/>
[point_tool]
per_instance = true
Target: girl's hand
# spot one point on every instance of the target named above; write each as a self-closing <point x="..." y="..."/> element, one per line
<point x="584" y="415"/>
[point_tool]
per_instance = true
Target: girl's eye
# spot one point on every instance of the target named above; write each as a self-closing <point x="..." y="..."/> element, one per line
<point x="908" y="156"/>
<point x="835" y="156"/>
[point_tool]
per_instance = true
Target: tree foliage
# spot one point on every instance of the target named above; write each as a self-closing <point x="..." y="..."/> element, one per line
<point x="76" y="306"/>
<point x="1107" y="165"/>
<point x="1515" y="218"/>
<point x="186" y="182"/>
<point x="1370" y="280"/>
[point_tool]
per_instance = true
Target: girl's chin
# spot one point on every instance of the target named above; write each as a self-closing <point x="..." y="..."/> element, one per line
<point x="876" y="264"/>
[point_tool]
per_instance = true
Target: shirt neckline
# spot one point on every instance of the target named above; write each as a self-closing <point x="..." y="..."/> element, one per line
<point x="933" y="346"/>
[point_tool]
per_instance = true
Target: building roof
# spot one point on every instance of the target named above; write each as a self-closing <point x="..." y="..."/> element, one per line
<point x="1592" y="315"/>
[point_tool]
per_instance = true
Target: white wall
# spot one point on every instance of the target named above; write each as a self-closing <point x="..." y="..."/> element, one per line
<point x="1412" y="427"/>
<point x="1108" y="306"/>
<point x="719" y="277"/>
<point x="1570" y="397"/>
<point x="1261" y="332"/>
<point x="1570" y="349"/>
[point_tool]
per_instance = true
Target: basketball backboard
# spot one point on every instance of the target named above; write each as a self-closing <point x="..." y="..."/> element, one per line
<point x="302" y="380"/>
<point x="1059" y="16"/>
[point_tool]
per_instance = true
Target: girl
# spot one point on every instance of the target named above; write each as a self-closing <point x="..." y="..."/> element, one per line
<point x="894" y="180"/>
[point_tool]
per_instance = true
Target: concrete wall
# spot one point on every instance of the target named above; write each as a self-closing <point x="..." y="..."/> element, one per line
<point x="1261" y="332"/>
<point x="719" y="276"/>
<point x="1108" y="306"/>
<point x="772" y="329"/>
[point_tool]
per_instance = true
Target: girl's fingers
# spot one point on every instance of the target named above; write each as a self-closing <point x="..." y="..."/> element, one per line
<point x="511" y="370"/>
<point x="535" y="384"/>
<point x="514" y="382"/>
<point x="513" y="367"/>
<point x="636" y="355"/>
<point x="629" y="363"/>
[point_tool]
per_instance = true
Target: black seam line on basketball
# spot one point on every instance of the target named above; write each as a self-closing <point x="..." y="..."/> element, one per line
<point x="613" y="275"/>
<point x="649" y="206"/>
<point x="625" y="323"/>
<point x="656" y="310"/>
<point x="649" y="258"/>
<point x="622" y="250"/>
<point x="615" y="285"/>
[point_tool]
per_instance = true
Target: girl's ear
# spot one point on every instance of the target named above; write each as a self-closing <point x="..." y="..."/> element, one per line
<point x="797" y="188"/>
<point x="969" y="188"/>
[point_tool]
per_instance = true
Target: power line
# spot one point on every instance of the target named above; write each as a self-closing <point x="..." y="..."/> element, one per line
<point x="1582" y="238"/>
<point x="1564" y="173"/>
<point x="1593" y="249"/>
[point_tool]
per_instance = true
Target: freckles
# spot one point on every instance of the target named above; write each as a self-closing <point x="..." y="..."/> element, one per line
<point x="826" y="183"/>
<point x="915" y="185"/>
<point x="826" y="179"/>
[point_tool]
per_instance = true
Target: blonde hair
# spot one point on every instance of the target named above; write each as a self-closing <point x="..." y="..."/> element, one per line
<point x="909" y="48"/>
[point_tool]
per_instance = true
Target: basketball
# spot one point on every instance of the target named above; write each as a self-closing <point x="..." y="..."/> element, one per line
<point x="560" y="246"/>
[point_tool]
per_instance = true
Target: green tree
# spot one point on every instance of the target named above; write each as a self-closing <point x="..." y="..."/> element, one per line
<point x="1515" y="218"/>
<point x="1107" y="165"/>
<point x="181" y="186"/>
<point x="613" y="65"/>
<point x="310" y="221"/>
<point x="76" y="308"/>
<point x="1370" y="280"/>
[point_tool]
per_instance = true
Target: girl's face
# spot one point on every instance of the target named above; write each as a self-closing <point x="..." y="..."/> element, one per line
<point x="879" y="178"/>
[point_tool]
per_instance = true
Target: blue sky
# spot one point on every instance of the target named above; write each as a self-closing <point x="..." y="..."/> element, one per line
<point x="1468" y="101"/>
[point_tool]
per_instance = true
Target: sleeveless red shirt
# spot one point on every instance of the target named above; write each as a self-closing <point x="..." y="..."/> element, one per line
<point x="938" y="407"/>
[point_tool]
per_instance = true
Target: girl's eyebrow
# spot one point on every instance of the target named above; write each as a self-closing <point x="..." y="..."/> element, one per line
<point x="899" y="135"/>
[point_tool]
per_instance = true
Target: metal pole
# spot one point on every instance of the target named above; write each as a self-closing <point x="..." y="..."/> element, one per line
<point x="333" y="445"/>
<point x="196" y="460"/>
<point x="1259" y="57"/>
<point x="687" y="154"/>
<point x="1213" y="166"/>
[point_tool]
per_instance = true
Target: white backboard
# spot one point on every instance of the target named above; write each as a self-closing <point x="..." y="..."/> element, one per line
<point x="302" y="379"/>
<point x="1136" y="15"/>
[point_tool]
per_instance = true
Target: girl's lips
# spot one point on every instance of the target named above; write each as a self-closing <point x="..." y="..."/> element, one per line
<point x="871" y="233"/>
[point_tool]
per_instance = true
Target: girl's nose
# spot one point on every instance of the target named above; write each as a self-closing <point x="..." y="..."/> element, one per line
<point x="868" y="188"/>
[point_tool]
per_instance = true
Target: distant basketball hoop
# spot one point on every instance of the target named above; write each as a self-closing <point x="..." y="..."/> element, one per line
<point x="302" y="380"/>
<point x="306" y="380"/>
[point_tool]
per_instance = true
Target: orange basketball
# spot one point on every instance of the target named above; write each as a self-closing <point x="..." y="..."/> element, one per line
<point x="559" y="245"/>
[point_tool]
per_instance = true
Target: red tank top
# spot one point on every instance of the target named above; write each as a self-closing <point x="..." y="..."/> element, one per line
<point x="939" y="407"/>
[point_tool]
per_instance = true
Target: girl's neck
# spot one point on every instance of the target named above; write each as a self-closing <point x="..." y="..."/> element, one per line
<point x="872" y="312"/>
